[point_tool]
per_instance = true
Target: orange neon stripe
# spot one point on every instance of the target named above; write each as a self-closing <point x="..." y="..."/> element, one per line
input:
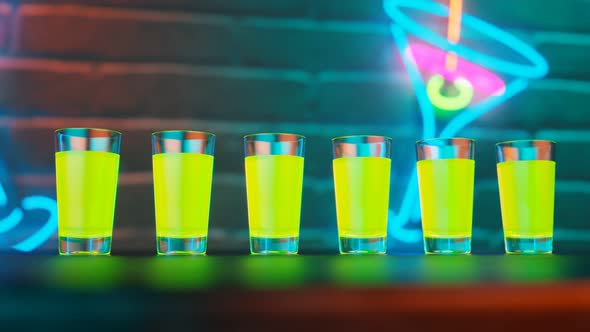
<point x="454" y="31"/>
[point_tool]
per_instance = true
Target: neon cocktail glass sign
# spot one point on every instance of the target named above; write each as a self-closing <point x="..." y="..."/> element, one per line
<point x="474" y="75"/>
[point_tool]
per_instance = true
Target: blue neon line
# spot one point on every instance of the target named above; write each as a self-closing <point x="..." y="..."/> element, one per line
<point x="10" y="221"/>
<point x="428" y="123"/>
<point x="467" y="116"/>
<point x="537" y="69"/>
<point x="409" y="201"/>
<point x="3" y="197"/>
<point x="472" y="113"/>
<point x="45" y="232"/>
<point x="398" y="232"/>
<point x="461" y="121"/>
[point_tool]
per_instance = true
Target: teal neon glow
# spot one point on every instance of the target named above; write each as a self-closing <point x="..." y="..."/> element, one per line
<point x="47" y="204"/>
<point x="409" y="208"/>
<point x="475" y="111"/>
<point x="16" y="216"/>
<point x="11" y="220"/>
<point x="536" y="69"/>
<point x="461" y="100"/>
<point x="428" y="121"/>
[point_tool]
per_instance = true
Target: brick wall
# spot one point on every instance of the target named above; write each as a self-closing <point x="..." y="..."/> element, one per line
<point x="321" y="68"/>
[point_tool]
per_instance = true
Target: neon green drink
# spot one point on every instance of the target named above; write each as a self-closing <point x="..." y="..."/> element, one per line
<point x="274" y="184"/>
<point x="86" y="171"/>
<point x="362" y="169"/>
<point x="182" y="191"/>
<point x="274" y="181"/>
<point x="183" y="173"/>
<point x="86" y="192"/>
<point x="526" y="178"/>
<point x="446" y="170"/>
<point x="527" y="194"/>
<point x="362" y="196"/>
<point x="446" y="197"/>
<point x="86" y="183"/>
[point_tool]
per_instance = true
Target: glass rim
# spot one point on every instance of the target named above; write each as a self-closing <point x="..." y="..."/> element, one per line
<point x="206" y="133"/>
<point x="439" y="139"/>
<point x="342" y="139"/>
<point x="525" y="150"/>
<point x="111" y="132"/>
<point x="522" y="141"/>
<point x="295" y="137"/>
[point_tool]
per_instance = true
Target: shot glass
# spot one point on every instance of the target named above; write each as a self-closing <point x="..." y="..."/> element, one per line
<point x="86" y="169"/>
<point x="183" y="172"/>
<point x="362" y="168"/>
<point x="445" y="180"/>
<point x="274" y="180"/>
<point x="526" y="177"/>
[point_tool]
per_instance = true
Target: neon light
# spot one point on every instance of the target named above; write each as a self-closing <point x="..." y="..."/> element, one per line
<point x="454" y="31"/>
<point x="428" y="123"/>
<point x="536" y="69"/>
<point x="17" y="215"/>
<point x="431" y="61"/>
<point x="458" y="102"/>
<point x="11" y="221"/>
<point x="44" y="233"/>
<point x="454" y="26"/>
<point x="409" y="205"/>
<point x="418" y="59"/>
<point x="422" y="61"/>
<point x="3" y="197"/>
<point x="474" y="112"/>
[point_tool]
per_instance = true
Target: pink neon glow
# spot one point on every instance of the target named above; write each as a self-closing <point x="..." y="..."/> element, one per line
<point x="431" y="61"/>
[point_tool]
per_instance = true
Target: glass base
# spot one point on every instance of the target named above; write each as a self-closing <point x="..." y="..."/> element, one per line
<point x="540" y="245"/>
<point x="363" y="245"/>
<point x="274" y="246"/>
<point x="181" y="245"/>
<point x="447" y="246"/>
<point x="84" y="246"/>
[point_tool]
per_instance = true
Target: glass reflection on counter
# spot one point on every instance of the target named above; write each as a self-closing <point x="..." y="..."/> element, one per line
<point x="272" y="271"/>
<point x="364" y="271"/>
<point x="449" y="269"/>
<point x="533" y="269"/>
<point x="88" y="273"/>
<point x="179" y="272"/>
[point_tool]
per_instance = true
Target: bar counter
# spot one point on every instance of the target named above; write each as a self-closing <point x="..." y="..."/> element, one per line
<point x="257" y="293"/>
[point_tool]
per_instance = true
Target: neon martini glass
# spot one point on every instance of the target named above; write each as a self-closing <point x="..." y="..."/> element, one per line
<point x="475" y="77"/>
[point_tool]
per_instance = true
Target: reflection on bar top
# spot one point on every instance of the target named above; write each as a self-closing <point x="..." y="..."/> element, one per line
<point x="276" y="272"/>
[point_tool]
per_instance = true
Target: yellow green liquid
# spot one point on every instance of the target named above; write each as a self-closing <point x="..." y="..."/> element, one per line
<point x="362" y="196"/>
<point x="446" y="197"/>
<point x="86" y="192"/>
<point x="527" y="190"/>
<point x="274" y="184"/>
<point x="182" y="193"/>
